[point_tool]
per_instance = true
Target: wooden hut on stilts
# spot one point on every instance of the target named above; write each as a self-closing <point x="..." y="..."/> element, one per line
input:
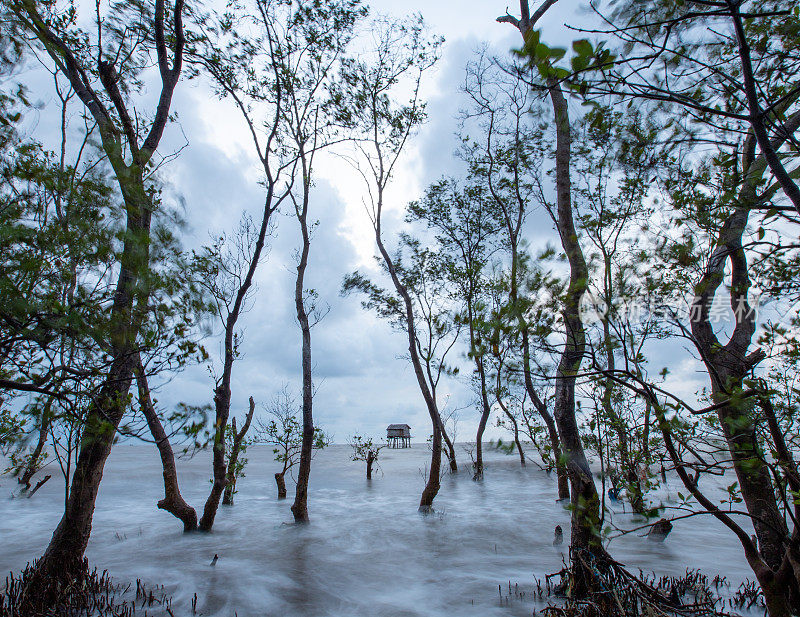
<point x="398" y="435"/>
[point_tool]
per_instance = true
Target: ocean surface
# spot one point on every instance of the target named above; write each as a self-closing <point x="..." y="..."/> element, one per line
<point x="367" y="552"/>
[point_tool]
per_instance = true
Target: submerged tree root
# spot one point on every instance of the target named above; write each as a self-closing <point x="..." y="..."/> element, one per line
<point x="613" y="591"/>
<point x="87" y="594"/>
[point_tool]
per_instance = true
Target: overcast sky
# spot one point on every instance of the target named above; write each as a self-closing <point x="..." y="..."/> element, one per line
<point x="362" y="380"/>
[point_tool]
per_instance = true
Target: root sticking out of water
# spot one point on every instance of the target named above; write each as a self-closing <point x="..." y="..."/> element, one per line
<point x="616" y="592"/>
<point x="87" y="594"/>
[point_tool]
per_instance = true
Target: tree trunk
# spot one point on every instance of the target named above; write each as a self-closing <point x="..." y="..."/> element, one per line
<point x="173" y="502"/>
<point x="728" y="365"/>
<point x="63" y="558"/>
<point x="64" y="554"/>
<point x="44" y="430"/>
<point x="222" y="391"/>
<point x="757" y="115"/>
<point x="776" y="595"/>
<point x="618" y="425"/>
<point x="451" y="451"/>
<point x="514" y="422"/>
<point x="754" y="478"/>
<point x="370" y="461"/>
<point x="279" y="480"/>
<point x="586" y="545"/>
<point x="585" y="501"/>
<point x="518" y="442"/>
<point x="238" y="438"/>
<point x="300" y="506"/>
<point x="646" y="437"/>
<point x="477" y="471"/>
<point x="39" y="485"/>
<point x="788" y="576"/>
<point x="432" y="486"/>
<point x="552" y="433"/>
<point x="222" y="406"/>
<point x="485" y="407"/>
<point x="513" y="226"/>
<point x="230" y="485"/>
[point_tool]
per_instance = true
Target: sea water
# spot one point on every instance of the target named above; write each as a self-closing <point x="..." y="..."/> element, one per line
<point x="367" y="552"/>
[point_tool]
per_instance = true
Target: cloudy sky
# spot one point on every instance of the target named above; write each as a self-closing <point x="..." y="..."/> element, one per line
<point x="363" y="382"/>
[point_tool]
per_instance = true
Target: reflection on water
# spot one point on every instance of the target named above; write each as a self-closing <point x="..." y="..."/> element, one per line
<point x="366" y="552"/>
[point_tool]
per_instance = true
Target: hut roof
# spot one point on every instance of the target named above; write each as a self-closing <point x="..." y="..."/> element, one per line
<point x="397" y="426"/>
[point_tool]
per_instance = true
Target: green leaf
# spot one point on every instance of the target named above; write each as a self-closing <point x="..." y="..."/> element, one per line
<point x="583" y="48"/>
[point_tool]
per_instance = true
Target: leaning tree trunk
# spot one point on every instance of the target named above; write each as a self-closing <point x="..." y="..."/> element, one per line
<point x="552" y="433"/>
<point x="513" y="227"/>
<point x="789" y="573"/>
<point x="173" y="501"/>
<point x="585" y="542"/>
<point x="432" y="485"/>
<point x="64" y="555"/>
<point x="752" y="472"/>
<point x="63" y="558"/>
